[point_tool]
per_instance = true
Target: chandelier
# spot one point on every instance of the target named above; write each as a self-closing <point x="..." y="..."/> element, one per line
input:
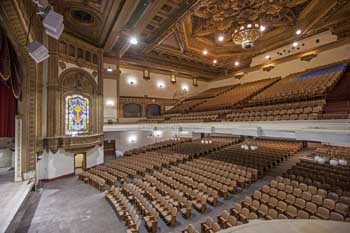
<point x="247" y="34"/>
<point x="249" y="145"/>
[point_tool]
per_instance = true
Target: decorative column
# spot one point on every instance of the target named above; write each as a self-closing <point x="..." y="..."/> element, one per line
<point x="118" y="74"/>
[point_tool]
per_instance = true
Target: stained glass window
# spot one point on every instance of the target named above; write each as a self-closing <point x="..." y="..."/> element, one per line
<point x="77" y="115"/>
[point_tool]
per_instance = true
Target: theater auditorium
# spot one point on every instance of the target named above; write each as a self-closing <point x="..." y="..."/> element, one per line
<point x="174" y="116"/>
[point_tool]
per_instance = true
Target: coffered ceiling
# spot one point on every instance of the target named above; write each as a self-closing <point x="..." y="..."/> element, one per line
<point x="173" y="34"/>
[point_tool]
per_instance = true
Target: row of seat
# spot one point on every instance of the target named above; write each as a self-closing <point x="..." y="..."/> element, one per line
<point x="294" y="88"/>
<point x="147" y="210"/>
<point x="155" y="146"/>
<point x="164" y="206"/>
<point x="321" y="175"/>
<point x="196" y="147"/>
<point x="124" y="209"/>
<point x="183" y="204"/>
<point x="93" y="180"/>
<point x="234" y="96"/>
<point x="263" y="158"/>
<point x="306" y="110"/>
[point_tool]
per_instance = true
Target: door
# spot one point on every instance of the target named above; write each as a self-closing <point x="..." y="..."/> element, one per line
<point x="79" y="162"/>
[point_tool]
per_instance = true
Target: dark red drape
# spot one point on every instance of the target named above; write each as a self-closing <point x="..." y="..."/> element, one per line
<point x="10" y="86"/>
<point x="7" y="111"/>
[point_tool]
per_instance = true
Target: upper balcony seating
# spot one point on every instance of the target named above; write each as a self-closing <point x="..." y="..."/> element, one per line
<point x="309" y="85"/>
<point x="193" y="101"/>
<point x="234" y="96"/>
<point x="305" y="110"/>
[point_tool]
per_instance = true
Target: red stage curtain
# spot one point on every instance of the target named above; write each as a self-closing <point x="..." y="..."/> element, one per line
<point x="7" y="111"/>
<point x="10" y="87"/>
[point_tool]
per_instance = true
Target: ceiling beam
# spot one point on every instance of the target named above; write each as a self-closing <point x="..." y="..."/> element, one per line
<point x="124" y="16"/>
<point x="164" y="64"/>
<point x="147" y="16"/>
<point x="164" y="30"/>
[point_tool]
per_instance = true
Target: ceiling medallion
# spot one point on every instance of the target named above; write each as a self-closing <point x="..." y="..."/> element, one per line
<point x="246" y="35"/>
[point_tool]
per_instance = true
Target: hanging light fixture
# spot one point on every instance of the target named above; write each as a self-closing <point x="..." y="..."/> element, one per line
<point x="249" y="145"/>
<point x="247" y="34"/>
<point x="146" y="74"/>
<point x="195" y="82"/>
<point x="173" y="78"/>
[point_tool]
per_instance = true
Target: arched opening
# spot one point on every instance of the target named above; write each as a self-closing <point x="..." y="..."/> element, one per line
<point x="153" y="110"/>
<point x="132" y="110"/>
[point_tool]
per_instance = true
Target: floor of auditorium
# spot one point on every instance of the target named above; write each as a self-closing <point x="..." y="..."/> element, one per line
<point x="69" y="205"/>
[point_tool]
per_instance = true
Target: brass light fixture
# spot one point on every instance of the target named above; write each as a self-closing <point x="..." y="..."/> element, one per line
<point x="247" y="34"/>
<point x="173" y="78"/>
<point x="146" y="74"/>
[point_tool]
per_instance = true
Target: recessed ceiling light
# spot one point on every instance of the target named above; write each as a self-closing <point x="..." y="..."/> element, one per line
<point x="295" y="44"/>
<point x="267" y="57"/>
<point x="236" y="63"/>
<point x="221" y="38"/>
<point x="215" y="61"/>
<point x="109" y="69"/>
<point x="298" y="32"/>
<point x="262" y="28"/>
<point x="133" y="40"/>
<point x="205" y="52"/>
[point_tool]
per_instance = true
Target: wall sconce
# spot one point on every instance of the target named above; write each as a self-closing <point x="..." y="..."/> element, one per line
<point x="239" y="75"/>
<point x="195" y="82"/>
<point x="308" y="57"/>
<point x="268" y="68"/>
<point x="132" y="139"/>
<point x="173" y="78"/>
<point x="146" y="74"/>
<point x="131" y="81"/>
<point x="184" y="88"/>
<point x="110" y="103"/>
<point x="160" y="84"/>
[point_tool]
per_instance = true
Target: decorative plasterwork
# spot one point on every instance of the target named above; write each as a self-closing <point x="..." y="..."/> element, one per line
<point x="67" y="65"/>
<point x="308" y="57"/>
<point x="73" y="143"/>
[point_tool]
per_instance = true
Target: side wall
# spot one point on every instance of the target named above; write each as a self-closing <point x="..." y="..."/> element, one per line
<point x="60" y="164"/>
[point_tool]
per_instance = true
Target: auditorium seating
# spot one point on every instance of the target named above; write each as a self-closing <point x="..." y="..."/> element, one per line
<point x="124" y="209"/>
<point x="234" y="96"/>
<point x="149" y="213"/>
<point x="304" y="110"/>
<point x="320" y="93"/>
<point x="268" y="154"/>
<point x="93" y="180"/>
<point x="200" y="147"/>
<point x="282" y="199"/>
<point x="333" y="152"/>
<point x="193" y="101"/>
<point x="156" y="146"/>
<point x="308" y="85"/>
<point x="164" y="206"/>
<point x="326" y="176"/>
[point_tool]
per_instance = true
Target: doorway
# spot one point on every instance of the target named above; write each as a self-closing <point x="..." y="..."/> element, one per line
<point x="79" y="163"/>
